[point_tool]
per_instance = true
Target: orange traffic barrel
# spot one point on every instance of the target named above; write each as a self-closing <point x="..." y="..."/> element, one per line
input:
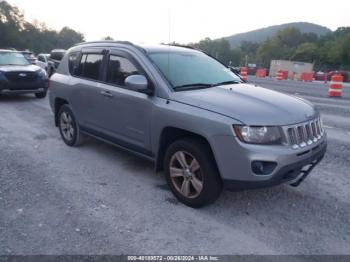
<point x="279" y="75"/>
<point x="285" y="74"/>
<point x="307" y="76"/>
<point x="261" y="72"/>
<point x="244" y="73"/>
<point x="336" y="86"/>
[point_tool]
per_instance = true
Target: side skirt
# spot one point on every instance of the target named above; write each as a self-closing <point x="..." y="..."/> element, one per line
<point x="130" y="149"/>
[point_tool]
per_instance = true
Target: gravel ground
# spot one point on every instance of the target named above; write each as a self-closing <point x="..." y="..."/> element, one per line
<point x="96" y="199"/>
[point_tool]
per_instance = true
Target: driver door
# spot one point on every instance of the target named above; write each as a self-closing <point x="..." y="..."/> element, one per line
<point x="126" y="114"/>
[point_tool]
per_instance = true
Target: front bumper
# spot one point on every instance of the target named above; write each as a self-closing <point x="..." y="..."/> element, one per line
<point x="295" y="173"/>
<point x="234" y="161"/>
<point x="23" y="88"/>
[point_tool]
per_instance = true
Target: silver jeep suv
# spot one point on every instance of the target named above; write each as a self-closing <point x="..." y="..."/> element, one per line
<point x="189" y="114"/>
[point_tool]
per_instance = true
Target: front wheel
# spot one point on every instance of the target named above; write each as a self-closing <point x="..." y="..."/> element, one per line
<point x="191" y="173"/>
<point x="41" y="95"/>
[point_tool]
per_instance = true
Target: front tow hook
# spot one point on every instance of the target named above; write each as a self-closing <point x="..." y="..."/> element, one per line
<point x="306" y="172"/>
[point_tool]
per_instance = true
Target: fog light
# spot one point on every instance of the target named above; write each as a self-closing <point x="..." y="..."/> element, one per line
<point x="263" y="167"/>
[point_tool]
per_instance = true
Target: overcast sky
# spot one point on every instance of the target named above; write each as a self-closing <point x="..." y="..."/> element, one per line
<point x="148" y="21"/>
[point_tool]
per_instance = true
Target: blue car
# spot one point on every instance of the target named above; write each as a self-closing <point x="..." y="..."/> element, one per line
<point x="19" y="76"/>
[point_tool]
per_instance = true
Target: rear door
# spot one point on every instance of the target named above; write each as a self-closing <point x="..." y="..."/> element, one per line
<point x="85" y="92"/>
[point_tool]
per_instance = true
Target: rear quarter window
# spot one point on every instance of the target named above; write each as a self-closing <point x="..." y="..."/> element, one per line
<point x="73" y="62"/>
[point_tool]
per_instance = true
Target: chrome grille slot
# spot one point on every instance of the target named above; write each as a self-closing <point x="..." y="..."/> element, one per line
<point x="301" y="134"/>
<point x="313" y="128"/>
<point x="309" y="134"/>
<point x="304" y="134"/>
<point x="292" y="136"/>
<point x="318" y="130"/>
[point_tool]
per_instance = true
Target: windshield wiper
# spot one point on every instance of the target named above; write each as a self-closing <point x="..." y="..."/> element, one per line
<point x="205" y="85"/>
<point x="11" y="65"/>
<point x="195" y="85"/>
<point x="226" y="83"/>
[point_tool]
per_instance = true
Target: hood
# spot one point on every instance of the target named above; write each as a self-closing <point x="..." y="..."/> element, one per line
<point x="14" y="68"/>
<point x="250" y="104"/>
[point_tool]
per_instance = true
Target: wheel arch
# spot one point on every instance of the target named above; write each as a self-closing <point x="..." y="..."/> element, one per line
<point x="59" y="102"/>
<point x="171" y="134"/>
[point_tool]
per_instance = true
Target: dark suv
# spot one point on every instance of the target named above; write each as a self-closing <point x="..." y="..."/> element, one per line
<point x="55" y="58"/>
<point x="187" y="113"/>
<point x="18" y="76"/>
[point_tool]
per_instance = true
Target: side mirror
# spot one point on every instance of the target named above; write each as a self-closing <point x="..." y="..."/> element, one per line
<point x="138" y="83"/>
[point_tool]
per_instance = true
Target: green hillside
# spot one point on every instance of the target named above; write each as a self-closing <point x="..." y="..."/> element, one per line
<point x="260" y="35"/>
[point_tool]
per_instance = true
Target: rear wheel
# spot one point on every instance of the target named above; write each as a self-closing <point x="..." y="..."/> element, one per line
<point x="69" y="129"/>
<point x="191" y="173"/>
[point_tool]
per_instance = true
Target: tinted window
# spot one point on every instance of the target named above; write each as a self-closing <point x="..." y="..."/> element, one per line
<point x="41" y="58"/>
<point x="90" y="65"/>
<point x="119" y="68"/>
<point x="72" y="61"/>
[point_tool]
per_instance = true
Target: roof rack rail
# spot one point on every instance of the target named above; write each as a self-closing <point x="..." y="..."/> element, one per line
<point x="184" y="46"/>
<point x="105" y="42"/>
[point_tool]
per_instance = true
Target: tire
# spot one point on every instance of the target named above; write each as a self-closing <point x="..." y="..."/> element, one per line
<point x="184" y="182"/>
<point x="40" y="95"/>
<point x="69" y="129"/>
<point x="50" y="71"/>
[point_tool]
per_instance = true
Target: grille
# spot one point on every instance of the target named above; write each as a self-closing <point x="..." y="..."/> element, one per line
<point x="305" y="133"/>
<point x="21" y="76"/>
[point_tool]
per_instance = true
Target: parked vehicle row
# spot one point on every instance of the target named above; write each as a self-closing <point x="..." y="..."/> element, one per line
<point x="48" y="62"/>
<point x="189" y="114"/>
<point x="54" y="60"/>
<point x="327" y="76"/>
<point x="43" y="61"/>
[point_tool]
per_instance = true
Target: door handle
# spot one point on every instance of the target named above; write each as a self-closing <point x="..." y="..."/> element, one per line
<point x="106" y="93"/>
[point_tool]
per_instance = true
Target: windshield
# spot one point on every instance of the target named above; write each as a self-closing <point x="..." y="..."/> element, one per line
<point x="12" y="58"/>
<point x="192" y="69"/>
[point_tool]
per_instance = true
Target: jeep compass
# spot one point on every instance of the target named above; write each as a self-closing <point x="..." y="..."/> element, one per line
<point x="189" y="114"/>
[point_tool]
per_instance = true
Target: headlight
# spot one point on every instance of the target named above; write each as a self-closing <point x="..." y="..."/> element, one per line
<point x="42" y="73"/>
<point x="259" y="134"/>
<point x="2" y="76"/>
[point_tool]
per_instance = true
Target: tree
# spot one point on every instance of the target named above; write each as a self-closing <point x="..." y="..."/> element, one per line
<point x="248" y="49"/>
<point x="306" y="52"/>
<point x="107" y="38"/>
<point x="331" y="51"/>
<point x="68" y="37"/>
<point x="17" y="33"/>
<point x="335" y="49"/>
<point x="220" y="49"/>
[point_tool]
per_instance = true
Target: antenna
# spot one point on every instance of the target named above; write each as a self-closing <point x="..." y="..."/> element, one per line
<point x="169" y="27"/>
<point x="169" y="39"/>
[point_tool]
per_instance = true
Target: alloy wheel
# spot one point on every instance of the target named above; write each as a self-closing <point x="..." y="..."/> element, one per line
<point x="185" y="174"/>
<point x="67" y="128"/>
